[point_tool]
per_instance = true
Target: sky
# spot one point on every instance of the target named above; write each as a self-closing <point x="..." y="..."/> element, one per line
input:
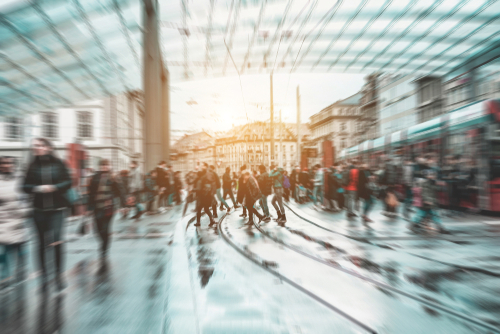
<point x="219" y="103"/>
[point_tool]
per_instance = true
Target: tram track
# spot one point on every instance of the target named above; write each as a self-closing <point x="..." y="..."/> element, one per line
<point x="262" y="264"/>
<point x="368" y="241"/>
<point x="267" y="266"/>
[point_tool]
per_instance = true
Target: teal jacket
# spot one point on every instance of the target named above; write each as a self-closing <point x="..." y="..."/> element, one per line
<point x="277" y="176"/>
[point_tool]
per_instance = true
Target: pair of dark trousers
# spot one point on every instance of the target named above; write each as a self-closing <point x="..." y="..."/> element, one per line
<point x="229" y="192"/>
<point x="103" y="225"/>
<point x="252" y="211"/>
<point x="49" y="226"/>
<point x="203" y="205"/>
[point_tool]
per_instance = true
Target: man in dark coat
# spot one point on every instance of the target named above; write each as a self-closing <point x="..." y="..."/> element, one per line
<point x="294" y="181"/>
<point x="161" y="181"/>
<point x="204" y="194"/>
<point x="252" y="194"/>
<point x="265" y="185"/>
<point x="227" y="187"/>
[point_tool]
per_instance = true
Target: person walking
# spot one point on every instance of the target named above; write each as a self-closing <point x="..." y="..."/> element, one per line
<point x="48" y="180"/>
<point x="103" y="189"/>
<point x="294" y="182"/>
<point x="135" y="183"/>
<point x="276" y="175"/>
<point x="351" y="181"/>
<point x="286" y="186"/>
<point x="265" y="185"/>
<point x="333" y="185"/>
<point x="365" y="191"/>
<point x="204" y="194"/>
<point x="339" y="174"/>
<point x="191" y="180"/>
<point x="318" y="186"/>
<point x="14" y="211"/>
<point x="408" y="172"/>
<point x="252" y="194"/>
<point x="178" y="186"/>
<point x="218" y="191"/>
<point x="150" y="191"/>
<point x="429" y="202"/>
<point x="227" y="187"/>
<point x="161" y="181"/>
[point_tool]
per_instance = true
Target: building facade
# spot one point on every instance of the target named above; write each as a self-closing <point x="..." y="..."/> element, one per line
<point x="191" y="150"/>
<point x="339" y="123"/>
<point x="369" y="113"/>
<point x="430" y="98"/>
<point x="398" y="103"/>
<point x="109" y="128"/>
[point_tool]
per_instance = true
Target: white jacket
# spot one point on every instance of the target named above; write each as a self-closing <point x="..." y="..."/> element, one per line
<point x="135" y="180"/>
<point x="14" y="211"/>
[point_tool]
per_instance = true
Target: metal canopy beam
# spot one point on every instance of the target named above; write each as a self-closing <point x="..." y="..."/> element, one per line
<point x="231" y="35"/>
<point x="344" y="27"/>
<point x="451" y="31"/>
<point x="422" y="16"/>
<point x="428" y="31"/>
<point x="126" y="32"/>
<point x="66" y="46"/>
<point x="34" y="49"/>
<point x="254" y="34"/>
<point x="387" y="28"/>
<point x="99" y="43"/>
<point x="277" y="32"/>
<point x="209" y="35"/>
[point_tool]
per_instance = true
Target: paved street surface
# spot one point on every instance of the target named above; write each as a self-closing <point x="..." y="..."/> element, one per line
<point x="321" y="273"/>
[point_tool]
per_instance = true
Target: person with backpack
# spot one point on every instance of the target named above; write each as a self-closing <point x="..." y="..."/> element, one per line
<point x="204" y="194"/>
<point x="218" y="187"/>
<point x="265" y="185"/>
<point x="276" y="175"/>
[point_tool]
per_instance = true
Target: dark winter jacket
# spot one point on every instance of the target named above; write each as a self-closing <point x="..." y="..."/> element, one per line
<point x="204" y="186"/>
<point x="265" y="184"/>
<point x="364" y="191"/>
<point x="304" y="179"/>
<point x="115" y="190"/>
<point x="333" y="184"/>
<point x="252" y="192"/>
<point x="294" y="178"/>
<point x="48" y="170"/>
<point x="241" y="190"/>
<point x="217" y="181"/>
<point x="161" y="177"/>
<point x="226" y="181"/>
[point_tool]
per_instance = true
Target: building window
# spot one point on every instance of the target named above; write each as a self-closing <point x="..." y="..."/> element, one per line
<point x="85" y="125"/>
<point x="343" y="143"/>
<point x="50" y="125"/>
<point x="13" y="128"/>
<point x="342" y="126"/>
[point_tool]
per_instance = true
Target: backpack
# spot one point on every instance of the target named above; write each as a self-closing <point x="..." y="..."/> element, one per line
<point x="286" y="183"/>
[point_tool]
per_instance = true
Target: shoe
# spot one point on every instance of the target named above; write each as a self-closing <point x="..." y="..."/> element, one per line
<point x="243" y="215"/>
<point x="249" y="222"/>
<point x="278" y="218"/>
<point x="221" y="208"/>
<point x="197" y="224"/>
<point x="266" y="219"/>
<point x="228" y="210"/>
<point x="282" y="219"/>
<point x="212" y="223"/>
<point x="215" y="215"/>
<point x="367" y="220"/>
<point x="237" y="206"/>
<point x="442" y="230"/>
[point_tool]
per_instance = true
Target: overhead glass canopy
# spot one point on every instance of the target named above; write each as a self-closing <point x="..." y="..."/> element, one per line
<point x="55" y="52"/>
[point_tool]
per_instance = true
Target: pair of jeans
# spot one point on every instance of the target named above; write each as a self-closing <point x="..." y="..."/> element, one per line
<point x="423" y="213"/>
<point x="229" y="192"/>
<point x="103" y="226"/>
<point x="368" y="205"/>
<point x="49" y="225"/>
<point x="221" y="199"/>
<point x="350" y="200"/>
<point x="278" y="200"/>
<point x="263" y="204"/>
<point x="318" y="192"/>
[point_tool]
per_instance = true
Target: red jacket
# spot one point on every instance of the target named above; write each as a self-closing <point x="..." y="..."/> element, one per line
<point x="353" y="180"/>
